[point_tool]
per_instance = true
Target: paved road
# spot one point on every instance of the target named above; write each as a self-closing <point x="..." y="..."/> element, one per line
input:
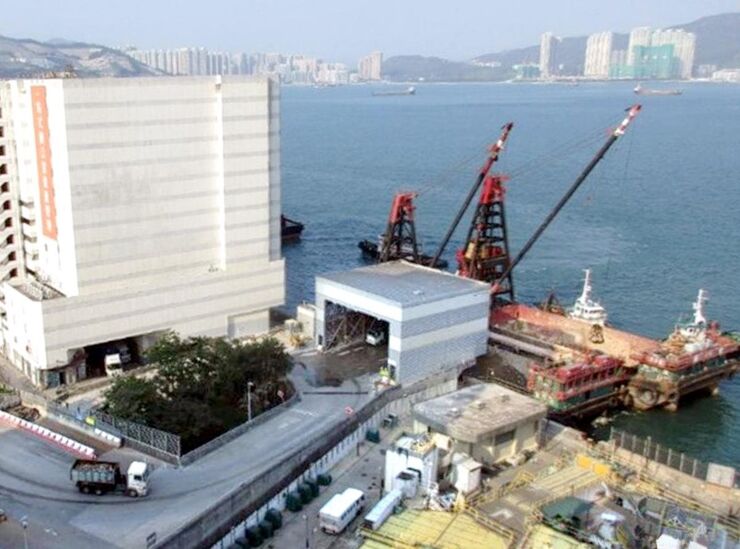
<point x="34" y="479"/>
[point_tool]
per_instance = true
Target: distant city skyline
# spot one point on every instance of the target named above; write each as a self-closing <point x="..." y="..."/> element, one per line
<point x="343" y="31"/>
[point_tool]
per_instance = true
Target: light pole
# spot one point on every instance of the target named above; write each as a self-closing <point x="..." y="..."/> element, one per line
<point x="249" y="400"/>
<point x="24" y="523"/>
<point x="305" y="518"/>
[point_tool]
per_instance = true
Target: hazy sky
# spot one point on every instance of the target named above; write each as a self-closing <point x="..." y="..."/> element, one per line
<point x="340" y="29"/>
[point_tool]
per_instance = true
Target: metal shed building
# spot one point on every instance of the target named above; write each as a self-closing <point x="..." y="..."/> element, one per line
<point x="436" y="321"/>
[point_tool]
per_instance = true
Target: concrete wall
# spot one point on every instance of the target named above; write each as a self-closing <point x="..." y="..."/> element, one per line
<point x="167" y="198"/>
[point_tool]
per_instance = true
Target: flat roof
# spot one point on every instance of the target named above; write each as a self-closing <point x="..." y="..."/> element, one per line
<point x="405" y="284"/>
<point x="478" y="412"/>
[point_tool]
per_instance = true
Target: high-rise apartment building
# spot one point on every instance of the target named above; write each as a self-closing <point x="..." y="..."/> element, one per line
<point x="648" y="51"/>
<point x="684" y="48"/>
<point x="548" y="55"/>
<point x="370" y="66"/>
<point x="133" y="206"/>
<point x="640" y="36"/>
<point x="598" y="55"/>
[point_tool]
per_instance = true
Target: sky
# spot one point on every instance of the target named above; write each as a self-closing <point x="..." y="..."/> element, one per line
<point x="340" y="30"/>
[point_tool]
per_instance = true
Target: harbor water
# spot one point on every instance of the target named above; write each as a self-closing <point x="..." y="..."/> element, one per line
<point x="656" y="221"/>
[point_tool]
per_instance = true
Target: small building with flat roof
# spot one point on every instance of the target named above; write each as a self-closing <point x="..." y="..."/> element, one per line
<point x="431" y="320"/>
<point x="488" y="422"/>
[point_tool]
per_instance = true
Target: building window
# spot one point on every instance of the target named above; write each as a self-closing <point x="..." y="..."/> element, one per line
<point x="9" y="222"/>
<point x="11" y="256"/>
<point x="13" y="273"/>
<point x="2" y="148"/>
<point x="3" y="169"/>
<point x="4" y="188"/>
<point x="6" y="205"/>
<point x="504" y="438"/>
<point x="9" y="240"/>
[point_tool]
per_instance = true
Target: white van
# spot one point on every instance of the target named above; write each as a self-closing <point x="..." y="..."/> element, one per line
<point x="340" y="510"/>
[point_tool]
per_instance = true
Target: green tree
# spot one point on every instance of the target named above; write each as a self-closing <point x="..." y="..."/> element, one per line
<point x="134" y="399"/>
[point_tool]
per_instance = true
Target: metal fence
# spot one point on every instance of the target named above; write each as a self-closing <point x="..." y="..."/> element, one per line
<point x="654" y="451"/>
<point x="148" y="439"/>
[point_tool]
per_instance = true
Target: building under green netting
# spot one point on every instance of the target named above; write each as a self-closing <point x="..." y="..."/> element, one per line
<point x="654" y="62"/>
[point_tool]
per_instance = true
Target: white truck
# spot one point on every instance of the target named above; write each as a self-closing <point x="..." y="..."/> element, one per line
<point x="100" y="477"/>
<point x="340" y="510"/>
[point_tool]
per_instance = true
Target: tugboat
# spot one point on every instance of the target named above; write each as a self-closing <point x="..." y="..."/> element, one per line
<point x="695" y="356"/>
<point x="590" y="311"/>
<point x="290" y="229"/>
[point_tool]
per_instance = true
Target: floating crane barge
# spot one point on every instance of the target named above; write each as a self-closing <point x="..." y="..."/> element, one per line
<point x="575" y="363"/>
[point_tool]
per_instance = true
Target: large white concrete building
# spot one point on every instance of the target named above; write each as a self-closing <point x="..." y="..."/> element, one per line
<point x="133" y="206"/>
<point x="598" y="55"/>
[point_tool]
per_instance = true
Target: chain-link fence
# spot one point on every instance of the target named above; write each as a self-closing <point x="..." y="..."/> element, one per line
<point x="654" y="451"/>
<point x="147" y="439"/>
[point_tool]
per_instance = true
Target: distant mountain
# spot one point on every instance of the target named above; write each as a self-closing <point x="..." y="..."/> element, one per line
<point x="717" y="40"/>
<point x="407" y="68"/>
<point x="23" y="58"/>
<point x="717" y="43"/>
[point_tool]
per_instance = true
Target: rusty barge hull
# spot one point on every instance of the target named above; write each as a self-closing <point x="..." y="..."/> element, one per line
<point x="547" y="337"/>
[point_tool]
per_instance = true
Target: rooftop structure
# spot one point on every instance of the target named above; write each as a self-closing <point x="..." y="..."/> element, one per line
<point x="434" y="321"/>
<point x="478" y="412"/>
<point x="137" y="205"/>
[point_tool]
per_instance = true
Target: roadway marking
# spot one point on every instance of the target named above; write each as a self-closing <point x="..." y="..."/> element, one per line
<point x="303" y="412"/>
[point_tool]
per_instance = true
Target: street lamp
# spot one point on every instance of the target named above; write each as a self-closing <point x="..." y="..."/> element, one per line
<point x="24" y="523"/>
<point x="305" y="518"/>
<point x="249" y="400"/>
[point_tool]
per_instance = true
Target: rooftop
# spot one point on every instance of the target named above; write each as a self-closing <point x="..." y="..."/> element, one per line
<point x="479" y="411"/>
<point x="405" y="284"/>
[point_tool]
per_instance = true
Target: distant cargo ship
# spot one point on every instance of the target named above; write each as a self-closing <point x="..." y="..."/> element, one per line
<point x="411" y="90"/>
<point x="639" y="90"/>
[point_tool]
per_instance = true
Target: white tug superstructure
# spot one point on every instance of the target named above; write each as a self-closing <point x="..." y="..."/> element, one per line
<point x="585" y="308"/>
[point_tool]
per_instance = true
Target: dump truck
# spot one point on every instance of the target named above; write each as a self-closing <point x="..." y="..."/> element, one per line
<point x="100" y="477"/>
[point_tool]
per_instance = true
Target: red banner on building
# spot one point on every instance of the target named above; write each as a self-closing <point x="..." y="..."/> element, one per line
<point x="43" y="162"/>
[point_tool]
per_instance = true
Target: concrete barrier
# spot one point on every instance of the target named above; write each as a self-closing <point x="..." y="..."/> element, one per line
<point x="57" y="413"/>
<point x="63" y="442"/>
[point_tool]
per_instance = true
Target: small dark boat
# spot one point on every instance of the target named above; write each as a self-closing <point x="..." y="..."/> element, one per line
<point x="370" y="253"/>
<point x="290" y="229"/>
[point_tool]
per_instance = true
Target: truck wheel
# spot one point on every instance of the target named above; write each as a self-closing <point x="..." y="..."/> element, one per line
<point x="98" y="492"/>
<point x="85" y="489"/>
<point x="132" y="493"/>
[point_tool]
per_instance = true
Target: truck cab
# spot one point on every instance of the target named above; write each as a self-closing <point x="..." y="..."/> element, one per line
<point x="137" y="479"/>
